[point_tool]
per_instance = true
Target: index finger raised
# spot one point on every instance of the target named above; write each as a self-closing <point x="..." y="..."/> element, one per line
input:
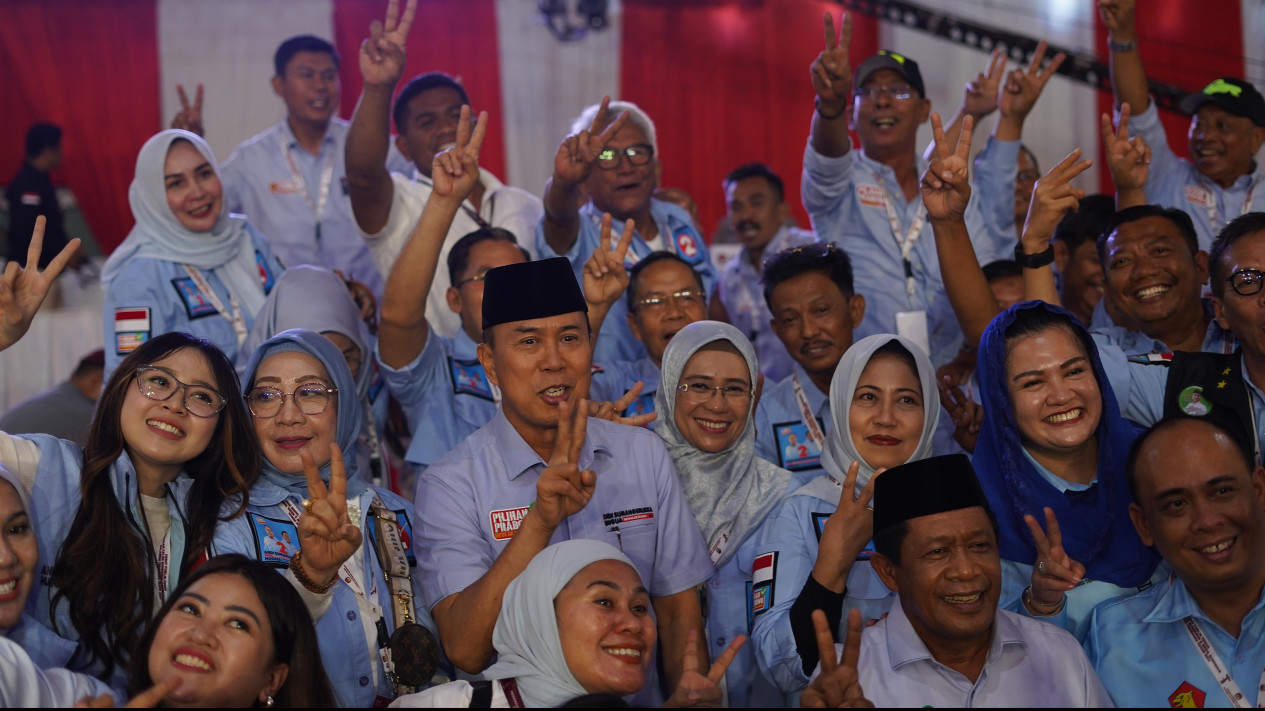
<point x="184" y="98"/>
<point x="337" y="473"/>
<point x="37" y="243"/>
<point x="1038" y="535"/>
<point x="625" y="241"/>
<point x="315" y="487"/>
<point x="562" y="445"/>
<point x="825" y="642"/>
<point x="153" y="696"/>
<point x="717" y="672"/>
<point x="579" y="428"/>
<point x="599" y="119"/>
<point x="937" y="135"/>
<point x="480" y="130"/>
<point x="829" y="28"/>
<point x="852" y="643"/>
<point x="964" y="138"/>
<point x="1038" y="55"/>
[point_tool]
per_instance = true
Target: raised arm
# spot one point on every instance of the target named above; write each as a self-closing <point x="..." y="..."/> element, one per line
<point x="832" y="80"/>
<point x="572" y="165"/>
<point x="1128" y="76"/>
<point x="1052" y="196"/>
<point x="403" y="332"/>
<point x="22" y="290"/>
<point x="1020" y="92"/>
<point x="1129" y="160"/>
<point x="368" y="139"/>
<point x="979" y="99"/>
<point x="189" y="117"/>
<point x="605" y="276"/>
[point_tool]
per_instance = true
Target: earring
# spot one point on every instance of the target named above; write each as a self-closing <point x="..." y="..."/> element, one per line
<point x="269" y="701"/>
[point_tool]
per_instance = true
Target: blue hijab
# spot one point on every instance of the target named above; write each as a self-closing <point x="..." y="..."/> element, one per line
<point x="1097" y="531"/>
<point x="349" y="412"/>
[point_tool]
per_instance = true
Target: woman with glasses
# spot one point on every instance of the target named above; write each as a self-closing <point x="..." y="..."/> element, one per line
<point x="303" y="399"/>
<point x="187" y="265"/>
<point x="706" y="402"/>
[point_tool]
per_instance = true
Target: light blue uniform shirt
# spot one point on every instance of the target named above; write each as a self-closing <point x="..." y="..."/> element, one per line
<point x="259" y="182"/>
<point x="348" y="656"/>
<point x="1145" y="657"/>
<point x="612" y="380"/>
<point x="679" y="236"/>
<point x="777" y="419"/>
<point x="23" y="684"/>
<point x="1106" y="332"/>
<point x="728" y="613"/>
<point x="170" y="300"/>
<point x="845" y="199"/>
<point x="1029" y="664"/>
<point x="1175" y="182"/>
<point x="743" y="295"/>
<point x="996" y="171"/>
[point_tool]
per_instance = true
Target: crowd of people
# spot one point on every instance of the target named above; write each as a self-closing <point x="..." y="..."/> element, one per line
<point x="976" y="439"/>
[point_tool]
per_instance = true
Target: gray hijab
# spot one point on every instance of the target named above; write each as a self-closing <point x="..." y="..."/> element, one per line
<point x="731" y="491"/>
<point x="840" y="452"/>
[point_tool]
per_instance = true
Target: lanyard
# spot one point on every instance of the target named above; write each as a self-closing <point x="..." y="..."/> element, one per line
<point x="466" y="205"/>
<point x="163" y="559"/>
<point x="322" y="193"/>
<point x="1219" y="672"/>
<point x="1210" y="203"/>
<point x="235" y="318"/>
<point x="910" y="238"/>
<point x="515" y="699"/>
<point x="806" y="414"/>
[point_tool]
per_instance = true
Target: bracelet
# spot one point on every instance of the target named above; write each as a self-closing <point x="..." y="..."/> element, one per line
<point x="823" y="114"/>
<point x="303" y="578"/>
<point x="1122" y="46"/>
<point x="1043" y="609"/>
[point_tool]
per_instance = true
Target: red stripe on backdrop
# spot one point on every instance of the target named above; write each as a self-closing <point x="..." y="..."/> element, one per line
<point x="90" y="66"/>
<point x="1183" y="43"/>
<point x="453" y="36"/>
<point x="727" y="83"/>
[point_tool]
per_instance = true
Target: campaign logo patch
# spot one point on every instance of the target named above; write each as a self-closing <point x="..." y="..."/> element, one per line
<point x="406" y="534"/>
<point x="196" y="304"/>
<point x="506" y="521"/>
<point x="30" y="199"/>
<point x="1187" y="696"/>
<point x="687" y="246"/>
<point x="276" y="541"/>
<point x="795" y="451"/>
<point x="266" y="277"/>
<point x="763" y="571"/>
<point x="131" y="328"/>
<point x="627" y="516"/>
<point x="872" y="195"/>
<point x="284" y="188"/>
<point x="1196" y="195"/>
<point x="468" y="378"/>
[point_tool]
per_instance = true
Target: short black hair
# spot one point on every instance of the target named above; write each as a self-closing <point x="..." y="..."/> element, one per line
<point x="824" y="257"/>
<point x="1031" y="156"/>
<point x="1238" y="228"/>
<point x="459" y="255"/>
<point x="1001" y="269"/>
<point x="1164" y="426"/>
<point x="42" y="136"/>
<point x="1140" y="212"/>
<point x="419" y="84"/>
<point x="93" y="361"/>
<point x="887" y="542"/>
<point x="300" y="43"/>
<point x="634" y="274"/>
<point x="756" y="170"/>
<point x="1088" y="222"/>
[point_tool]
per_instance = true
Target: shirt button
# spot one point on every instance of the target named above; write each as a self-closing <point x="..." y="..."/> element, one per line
<point x="364" y="681"/>
<point x="720" y="641"/>
<point x="716" y="584"/>
<point x="351" y="615"/>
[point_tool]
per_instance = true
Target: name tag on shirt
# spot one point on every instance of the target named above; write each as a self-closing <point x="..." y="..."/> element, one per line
<point x="284" y="188"/>
<point x="1196" y="195"/>
<point x="872" y="195"/>
<point x="795" y="450"/>
<point x="266" y="277"/>
<point x="276" y="541"/>
<point x="468" y="378"/>
<point x="196" y="304"/>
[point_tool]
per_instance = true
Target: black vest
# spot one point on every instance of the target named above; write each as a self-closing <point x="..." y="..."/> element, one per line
<point x="1218" y="378"/>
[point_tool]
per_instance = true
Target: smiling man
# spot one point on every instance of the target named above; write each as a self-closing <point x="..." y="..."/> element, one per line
<point x="538" y="473"/>
<point x="1199" y="498"/>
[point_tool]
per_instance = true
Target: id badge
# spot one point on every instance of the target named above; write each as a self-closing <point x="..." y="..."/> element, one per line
<point x="913" y="325"/>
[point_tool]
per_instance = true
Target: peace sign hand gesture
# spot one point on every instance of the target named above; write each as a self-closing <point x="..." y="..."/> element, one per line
<point x="979" y="98"/>
<point x="578" y="153"/>
<point x="563" y="489"/>
<point x="189" y="117"/>
<point x="945" y="187"/>
<point x="1129" y="159"/>
<point x="455" y="171"/>
<point x="831" y="71"/>
<point x="382" y="54"/>
<point x="838" y="685"/>
<point x="1052" y="196"/>
<point x="22" y="290"/>
<point x="327" y="536"/>
<point x="605" y="276"/>
<point x="846" y="532"/>
<point x="698" y="690"/>
<point x="1055" y="572"/>
<point x="1022" y="88"/>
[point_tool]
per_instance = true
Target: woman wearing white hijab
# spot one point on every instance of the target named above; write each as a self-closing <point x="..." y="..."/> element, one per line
<point x="187" y="265"/>
<point x="816" y="544"/>
<point x="706" y="405"/>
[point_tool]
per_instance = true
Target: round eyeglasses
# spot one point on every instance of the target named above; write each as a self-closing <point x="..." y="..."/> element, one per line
<point x="733" y="392"/>
<point x="610" y="158"/>
<point x="311" y="399"/>
<point x="682" y="299"/>
<point x="1246" y="282"/>
<point x="158" y="383"/>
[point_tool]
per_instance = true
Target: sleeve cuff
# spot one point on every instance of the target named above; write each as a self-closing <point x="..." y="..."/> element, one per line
<point x="814" y="596"/>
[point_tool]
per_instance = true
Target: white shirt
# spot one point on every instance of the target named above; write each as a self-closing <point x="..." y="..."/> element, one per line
<point x="454" y="694"/>
<point x="23" y="684"/>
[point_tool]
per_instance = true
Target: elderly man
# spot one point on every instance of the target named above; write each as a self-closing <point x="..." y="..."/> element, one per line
<point x="945" y="643"/>
<point x="1196" y="640"/>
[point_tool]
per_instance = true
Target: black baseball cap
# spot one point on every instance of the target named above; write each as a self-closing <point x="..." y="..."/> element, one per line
<point x="899" y="63"/>
<point x="1234" y="95"/>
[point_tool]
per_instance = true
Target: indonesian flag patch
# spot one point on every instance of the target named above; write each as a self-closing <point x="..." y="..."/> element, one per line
<point x="762" y="573"/>
<point x="131" y="328"/>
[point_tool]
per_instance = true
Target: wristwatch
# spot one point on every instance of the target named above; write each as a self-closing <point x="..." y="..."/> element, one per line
<point x="1034" y="261"/>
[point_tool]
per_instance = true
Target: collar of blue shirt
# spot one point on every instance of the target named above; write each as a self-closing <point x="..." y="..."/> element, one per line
<point x="519" y="457"/>
<point x="904" y="646"/>
<point x="1175" y="603"/>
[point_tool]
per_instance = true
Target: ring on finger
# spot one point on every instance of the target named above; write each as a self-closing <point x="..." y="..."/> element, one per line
<point x="306" y="504"/>
<point x="1041" y="567"/>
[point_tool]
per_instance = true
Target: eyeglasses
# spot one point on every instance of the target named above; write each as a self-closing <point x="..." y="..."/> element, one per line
<point x="689" y="297"/>
<point x="477" y="277"/>
<point x="1028" y="176"/>
<point x="158" y="383"/>
<point x="732" y="392"/>
<point x="1247" y="282"/>
<point x="639" y="154"/>
<point x="898" y="93"/>
<point x="311" y="399"/>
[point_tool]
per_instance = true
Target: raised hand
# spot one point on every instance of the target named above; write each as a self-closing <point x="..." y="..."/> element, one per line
<point x="189" y="117"/>
<point x="22" y="290"/>
<point x="563" y="489"/>
<point x="605" y="276"/>
<point x="838" y="685"/>
<point x="979" y="97"/>
<point x="967" y="415"/>
<point x="945" y="188"/>
<point x="382" y="54"/>
<point x="1128" y="159"/>
<point x="846" y="532"/>
<point x="696" y="689"/>
<point x="609" y="411"/>
<point x="831" y="71"/>
<point x="456" y="170"/>
<point x="578" y="153"/>
<point x="327" y="535"/>
<point x="1052" y="196"/>
<point x="1117" y="17"/>
<point x="1054" y="572"/>
<point x="1023" y="87"/>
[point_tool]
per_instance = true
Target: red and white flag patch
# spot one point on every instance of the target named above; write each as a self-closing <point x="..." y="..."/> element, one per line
<point x="131" y="328"/>
<point x="763" y="571"/>
<point x="30" y="199"/>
